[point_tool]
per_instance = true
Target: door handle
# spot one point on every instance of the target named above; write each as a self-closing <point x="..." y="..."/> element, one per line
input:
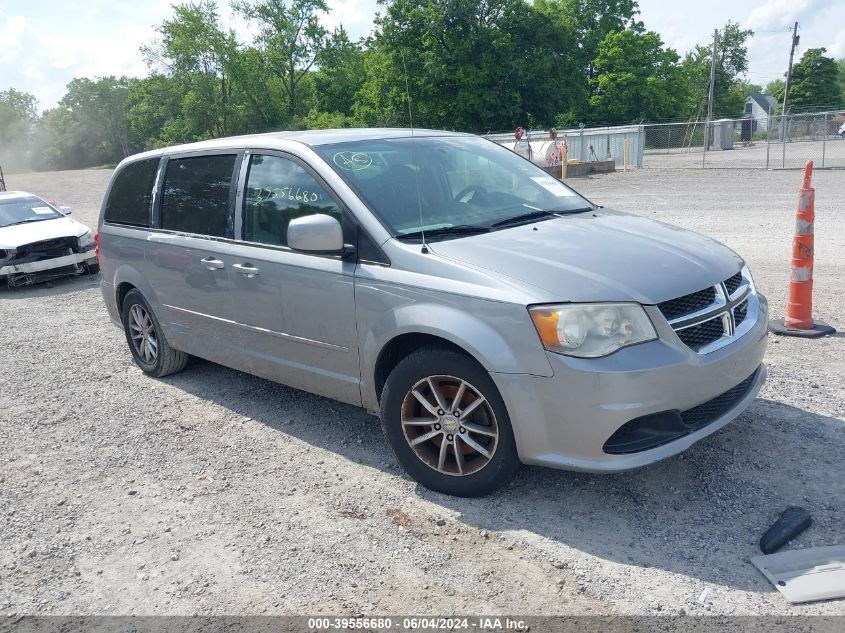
<point x="245" y="269"/>
<point x="211" y="263"/>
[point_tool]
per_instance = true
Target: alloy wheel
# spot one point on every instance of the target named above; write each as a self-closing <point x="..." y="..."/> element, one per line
<point x="449" y="425"/>
<point x="143" y="333"/>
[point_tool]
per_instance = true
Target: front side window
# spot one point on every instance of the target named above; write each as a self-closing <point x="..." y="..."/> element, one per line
<point x="436" y="183"/>
<point x="277" y="191"/>
<point x="196" y="195"/>
<point x="131" y="194"/>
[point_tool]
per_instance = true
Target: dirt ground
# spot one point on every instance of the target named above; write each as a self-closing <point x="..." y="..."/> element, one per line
<point x="215" y="492"/>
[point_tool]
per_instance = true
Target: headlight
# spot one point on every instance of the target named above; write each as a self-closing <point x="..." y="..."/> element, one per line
<point x="86" y="240"/>
<point x="746" y="274"/>
<point x="592" y="330"/>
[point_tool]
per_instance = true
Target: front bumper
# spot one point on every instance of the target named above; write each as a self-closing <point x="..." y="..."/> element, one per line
<point x="564" y="421"/>
<point x="73" y="259"/>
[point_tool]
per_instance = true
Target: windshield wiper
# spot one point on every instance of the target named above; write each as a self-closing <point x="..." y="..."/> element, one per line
<point x="576" y="210"/>
<point x="446" y="231"/>
<point x="28" y="220"/>
<point x="524" y="217"/>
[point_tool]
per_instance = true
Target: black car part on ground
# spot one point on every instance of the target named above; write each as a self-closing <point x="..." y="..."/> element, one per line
<point x="791" y="523"/>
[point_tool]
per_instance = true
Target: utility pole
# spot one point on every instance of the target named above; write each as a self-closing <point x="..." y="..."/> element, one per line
<point x="783" y="119"/>
<point x="710" y="97"/>
<point x="795" y="38"/>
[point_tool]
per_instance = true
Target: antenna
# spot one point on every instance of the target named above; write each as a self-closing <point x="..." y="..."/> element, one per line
<point x="414" y="152"/>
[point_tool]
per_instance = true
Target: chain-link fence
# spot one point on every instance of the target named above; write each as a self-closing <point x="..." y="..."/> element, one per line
<point x="776" y="142"/>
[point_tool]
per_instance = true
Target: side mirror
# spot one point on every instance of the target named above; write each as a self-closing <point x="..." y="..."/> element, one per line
<point x="319" y="234"/>
<point x="64" y="210"/>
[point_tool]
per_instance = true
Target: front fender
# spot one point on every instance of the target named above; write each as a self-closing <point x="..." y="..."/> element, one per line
<point x="499" y="336"/>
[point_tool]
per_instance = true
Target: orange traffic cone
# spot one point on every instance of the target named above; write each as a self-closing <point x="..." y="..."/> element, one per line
<point x="799" y="309"/>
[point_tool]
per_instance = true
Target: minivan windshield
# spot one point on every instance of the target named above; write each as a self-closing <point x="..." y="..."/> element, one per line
<point x="449" y="186"/>
<point x="24" y="210"/>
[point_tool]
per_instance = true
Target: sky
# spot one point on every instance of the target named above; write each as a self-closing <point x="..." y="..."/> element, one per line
<point x="46" y="43"/>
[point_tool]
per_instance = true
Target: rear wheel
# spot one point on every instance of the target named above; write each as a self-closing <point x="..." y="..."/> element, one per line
<point x="149" y="347"/>
<point x="447" y="424"/>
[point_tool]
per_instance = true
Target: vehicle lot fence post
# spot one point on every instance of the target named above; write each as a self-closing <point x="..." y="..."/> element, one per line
<point x="581" y="146"/>
<point x="564" y="159"/>
<point x="799" y="309"/>
<point x="784" y="131"/>
<point x="824" y="139"/>
<point x="769" y="125"/>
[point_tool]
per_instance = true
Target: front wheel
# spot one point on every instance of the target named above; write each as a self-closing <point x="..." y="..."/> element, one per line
<point x="447" y="424"/>
<point x="149" y="347"/>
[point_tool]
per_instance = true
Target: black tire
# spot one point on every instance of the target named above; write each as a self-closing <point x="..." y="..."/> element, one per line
<point x="167" y="360"/>
<point x="426" y="362"/>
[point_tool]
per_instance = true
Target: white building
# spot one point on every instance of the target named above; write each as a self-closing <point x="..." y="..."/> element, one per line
<point x="758" y="108"/>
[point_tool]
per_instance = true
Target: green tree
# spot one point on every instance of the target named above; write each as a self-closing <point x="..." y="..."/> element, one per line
<point x="18" y="104"/>
<point x="474" y="65"/>
<point x="636" y="79"/>
<point x="731" y="65"/>
<point x="17" y="119"/>
<point x="153" y="104"/>
<point x="340" y="75"/>
<point x="815" y="82"/>
<point x="258" y="94"/>
<point x="88" y="126"/>
<point x="775" y="89"/>
<point x="545" y="69"/>
<point x="745" y="88"/>
<point x="198" y="54"/>
<point x="590" y="22"/>
<point x="290" y="37"/>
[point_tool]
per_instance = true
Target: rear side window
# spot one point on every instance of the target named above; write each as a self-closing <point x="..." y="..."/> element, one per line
<point x="196" y="195"/>
<point x="131" y="193"/>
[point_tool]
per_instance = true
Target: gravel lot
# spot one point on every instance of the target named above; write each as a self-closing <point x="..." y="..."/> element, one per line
<point x="215" y="492"/>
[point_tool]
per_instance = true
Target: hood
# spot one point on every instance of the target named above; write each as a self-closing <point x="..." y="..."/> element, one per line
<point x="15" y="236"/>
<point x="599" y="256"/>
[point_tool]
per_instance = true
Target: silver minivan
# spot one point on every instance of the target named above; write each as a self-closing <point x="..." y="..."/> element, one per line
<point x="487" y="312"/>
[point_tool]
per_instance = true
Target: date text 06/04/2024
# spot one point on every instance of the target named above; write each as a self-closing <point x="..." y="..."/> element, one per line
<point x="417" y="623"/>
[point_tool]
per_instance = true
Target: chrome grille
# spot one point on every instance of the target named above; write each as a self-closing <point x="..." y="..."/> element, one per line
<point x="688" y="304"/>
<point x="733" y="283"/>
<point x="706" y="319"/>
<point x="697" y="336"/>
<point x="740" y="312"/>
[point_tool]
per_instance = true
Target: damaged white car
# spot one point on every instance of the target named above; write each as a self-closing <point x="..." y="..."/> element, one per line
<point x="38" y="242"/>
